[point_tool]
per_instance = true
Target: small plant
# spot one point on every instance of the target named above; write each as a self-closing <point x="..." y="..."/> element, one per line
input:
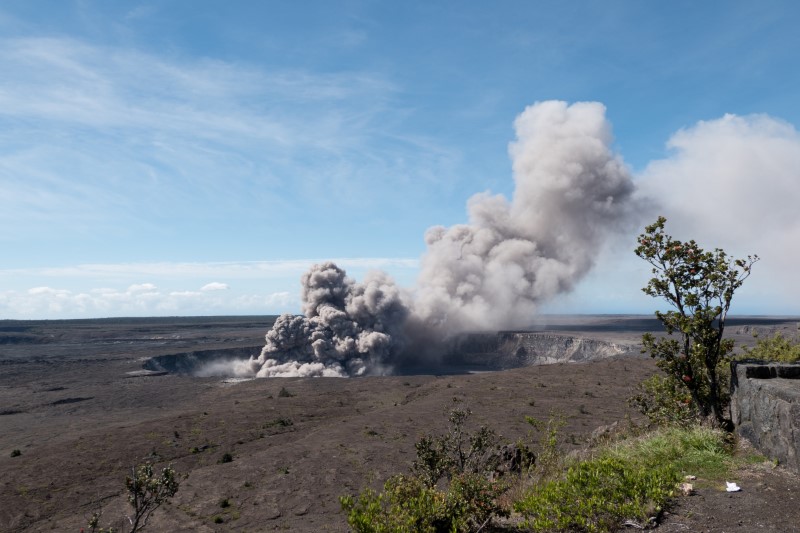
<point x="408" y="504"/>
<point x="279" y="422"/>
<point x="15" y="453"/>
<point x="226" y="458"/>
<point x="224" y="503"/>
<point x="468" y="500"/>
<point x="456" y="452"/>
<point x="550" y="457"/>
<point x="147" y="491"/>
<point x="94" y="524"/>
<point x="218" y="519"/>
<point x="283" y="393"/>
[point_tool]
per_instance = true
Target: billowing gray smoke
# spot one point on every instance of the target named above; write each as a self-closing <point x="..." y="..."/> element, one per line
<point x="349" y="328"/>
<point x="572" y="192"/>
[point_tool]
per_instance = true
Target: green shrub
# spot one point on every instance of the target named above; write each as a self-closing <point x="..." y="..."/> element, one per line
<point x="664" y="402"/>
<point x="147" y="491"/>
<point x="15" y="453"/>
<point x="776" y="348"/>
<point x="284" y="393"/>
<point x="421" y="502"/>
<point x="408" y="505"/>
<point x="598" y="495"/>
<point x="283" y="422"/>
<point x="456" y="452"/>
<point x="550" y="457"/>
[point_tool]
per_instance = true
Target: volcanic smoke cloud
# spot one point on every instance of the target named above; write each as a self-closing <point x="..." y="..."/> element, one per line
<point x="572" y="193"/>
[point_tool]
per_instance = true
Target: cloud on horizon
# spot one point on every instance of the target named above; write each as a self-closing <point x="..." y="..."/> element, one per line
<point x="261" y="288"/>
<point x="137" y="300"/>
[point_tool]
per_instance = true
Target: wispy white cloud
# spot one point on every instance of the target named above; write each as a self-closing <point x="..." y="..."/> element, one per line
<point x="229" y="269"/>
<point x="92" y="134"/>
<point x="215" y="286"/>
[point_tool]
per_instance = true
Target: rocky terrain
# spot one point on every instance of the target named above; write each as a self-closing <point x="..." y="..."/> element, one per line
<point x="83" y="401"/>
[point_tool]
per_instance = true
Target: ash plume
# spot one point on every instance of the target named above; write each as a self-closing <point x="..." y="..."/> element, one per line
<point x="571" y="194"/>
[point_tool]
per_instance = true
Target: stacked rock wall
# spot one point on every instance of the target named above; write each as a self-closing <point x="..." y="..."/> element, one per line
<point x="765" y="408"/>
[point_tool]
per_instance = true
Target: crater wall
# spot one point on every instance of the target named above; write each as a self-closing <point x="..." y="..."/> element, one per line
<point x="512" y="349"/>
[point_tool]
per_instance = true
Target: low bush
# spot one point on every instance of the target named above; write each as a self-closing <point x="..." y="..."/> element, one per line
<point x="147" y="491"/>
<point x="408" y="505"/>
<point x="226" y="458"/>
<point x="468" y="499"/>
<point x="776" y="348"/>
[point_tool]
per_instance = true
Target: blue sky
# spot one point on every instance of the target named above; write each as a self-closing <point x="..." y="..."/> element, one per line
<point x="195" y="157"/>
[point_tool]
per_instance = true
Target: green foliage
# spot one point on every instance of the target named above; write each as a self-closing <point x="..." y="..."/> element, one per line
<point x="664" y="402"/>
<point x="699" y="285"/>
<point x="283" y="422"/>
<point x="420" y="502"/>
<point x="456" y="452"/>
<point x="550" y="457"/>
<point x="696" y="450"/>
<point x="776" y="348"/>
<point x="147" y="491"/>
<point x="94" y="524"/>
<point x="597" y="495"/>
<point x="408" y="504"/>
<point x="630" y="480"/>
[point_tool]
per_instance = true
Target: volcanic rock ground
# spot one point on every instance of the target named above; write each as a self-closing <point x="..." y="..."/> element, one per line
<point x="75" y="402"/>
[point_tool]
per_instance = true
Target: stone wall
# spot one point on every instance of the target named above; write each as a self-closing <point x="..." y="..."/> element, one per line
<point x="765" y="408"/>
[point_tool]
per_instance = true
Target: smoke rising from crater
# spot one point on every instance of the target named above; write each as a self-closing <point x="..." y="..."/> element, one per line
<point x="571" y="194"/>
